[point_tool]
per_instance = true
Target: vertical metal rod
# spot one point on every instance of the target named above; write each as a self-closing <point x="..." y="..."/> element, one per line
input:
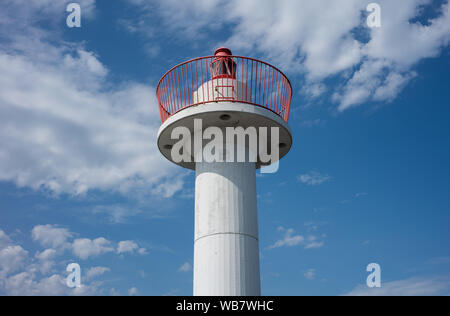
<point x="201" y="80"/>
<point x="207" y="79"/>
<point x="251" y="85"/>
<point x="192" y="84"/>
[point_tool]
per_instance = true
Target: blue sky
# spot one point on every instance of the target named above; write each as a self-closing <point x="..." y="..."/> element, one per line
<point x="367" y="179"/>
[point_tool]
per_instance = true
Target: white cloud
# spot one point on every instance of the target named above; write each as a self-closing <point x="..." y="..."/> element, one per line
<point x="417" y="286"/>
<point x="133" y="291"/>
<point x="314" y="244"/>
<point x="47" y="254"/>
<point x="319" y="39"/>
<point x="168" y="188"/>
<point x="84" y="140"/>
<point x="51" y="236"/>
<point x="12" y="258"/>
<point x="370" y="81"/>
<point x="310" y="274"/>
<point x="4" y="240"/>
<point x="22" y="9"/>
<point x="114" y="292"/>
<point x="85" y="248"/>
<point x="60" y="239"/>
<point x="94" y="272"/>
<point x="44" y="273"/>
<point x="142" y="251"/>
<point x="27" y="284"/>
<point x="46" y="260"/>
<point x="86" y="61"/>
<point x="393" y="84"/>
<point x="291" y="239"/>
<point x="117" y="213"/>
<point x="313" y="178"/>
<point x="142" y="274"/>
<point x="64" y="127"/>
<point x="127" y="246"/>
<point x="185" y="267"/>
<point x="15" y="259"/>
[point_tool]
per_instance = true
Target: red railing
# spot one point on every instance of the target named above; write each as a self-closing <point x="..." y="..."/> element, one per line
<point x="224" y="79"/>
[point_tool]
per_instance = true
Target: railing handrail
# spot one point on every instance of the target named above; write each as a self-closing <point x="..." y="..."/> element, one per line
<point x="174" y="91"/>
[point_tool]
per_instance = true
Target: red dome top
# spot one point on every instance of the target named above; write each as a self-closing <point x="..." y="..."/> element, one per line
<point x="223" y="51"/>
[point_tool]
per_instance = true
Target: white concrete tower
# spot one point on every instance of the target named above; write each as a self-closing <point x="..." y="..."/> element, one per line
<point x="200" y="101"/>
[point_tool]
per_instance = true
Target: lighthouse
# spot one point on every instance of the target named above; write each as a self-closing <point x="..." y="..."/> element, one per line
<point x="225" y="117"/>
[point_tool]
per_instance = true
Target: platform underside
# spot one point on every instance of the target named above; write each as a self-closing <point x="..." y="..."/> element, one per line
<point x="223" y="115"/>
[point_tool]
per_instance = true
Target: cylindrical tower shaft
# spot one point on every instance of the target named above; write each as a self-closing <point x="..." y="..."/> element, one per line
<point x="226" y="249"/>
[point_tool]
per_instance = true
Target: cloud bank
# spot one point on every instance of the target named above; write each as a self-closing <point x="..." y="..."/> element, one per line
<point x="43" y="274"/>
<point x="64" y="126"/>
<point x="319" y="39"/>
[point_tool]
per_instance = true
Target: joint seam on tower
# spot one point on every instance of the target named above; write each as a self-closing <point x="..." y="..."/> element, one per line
<point x="226" y="233"/>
